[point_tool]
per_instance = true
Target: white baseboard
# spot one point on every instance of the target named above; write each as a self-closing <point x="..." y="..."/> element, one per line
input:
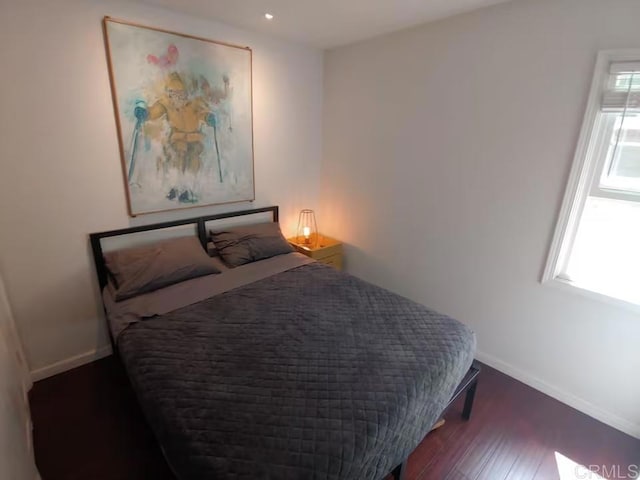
<point x="611" y="419"/>
<point x="72" y="362"/>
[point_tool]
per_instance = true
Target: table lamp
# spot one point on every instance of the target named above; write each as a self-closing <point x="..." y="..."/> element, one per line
<point x="307" y="233"/>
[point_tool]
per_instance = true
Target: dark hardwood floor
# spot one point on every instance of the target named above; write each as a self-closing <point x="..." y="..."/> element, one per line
<point x="88" y="426"/>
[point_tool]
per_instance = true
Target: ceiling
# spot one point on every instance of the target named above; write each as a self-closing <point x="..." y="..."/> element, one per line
<point x="324" y="23"/>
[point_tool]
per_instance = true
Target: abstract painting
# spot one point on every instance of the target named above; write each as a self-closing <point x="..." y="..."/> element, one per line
<point x="184" y="115"/>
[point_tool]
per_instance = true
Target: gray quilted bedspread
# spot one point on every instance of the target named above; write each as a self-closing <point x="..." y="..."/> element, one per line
<point x="308" y="374"/>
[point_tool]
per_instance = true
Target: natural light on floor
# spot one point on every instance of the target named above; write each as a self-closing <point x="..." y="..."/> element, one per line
<point x="570" y="470"/>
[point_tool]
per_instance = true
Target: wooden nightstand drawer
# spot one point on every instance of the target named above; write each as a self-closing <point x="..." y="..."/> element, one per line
<point x="327" y="251"/>
<point x="334" y="260"/>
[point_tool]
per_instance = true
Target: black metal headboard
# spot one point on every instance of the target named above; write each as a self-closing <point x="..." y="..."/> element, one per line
<point x="199" y="222"/>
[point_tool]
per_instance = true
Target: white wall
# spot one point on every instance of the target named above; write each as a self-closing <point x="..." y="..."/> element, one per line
<point x="61" y="177"/>
<point x="447" y="148"/>
<point x="16" y="447"/>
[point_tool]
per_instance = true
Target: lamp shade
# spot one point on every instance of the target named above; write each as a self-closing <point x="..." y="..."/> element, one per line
<point x="307" y="233"/>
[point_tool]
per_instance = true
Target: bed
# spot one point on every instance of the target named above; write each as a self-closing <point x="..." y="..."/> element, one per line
<point x="284" y="368"/>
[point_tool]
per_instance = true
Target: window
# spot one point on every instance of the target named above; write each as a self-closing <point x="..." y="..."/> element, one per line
<point x="596" y="246"/>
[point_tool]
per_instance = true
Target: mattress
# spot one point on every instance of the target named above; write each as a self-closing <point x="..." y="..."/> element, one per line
<point x="308" y="373"/>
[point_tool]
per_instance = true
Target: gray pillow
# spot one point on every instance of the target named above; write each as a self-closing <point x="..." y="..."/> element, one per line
<point x="250" y="243"/>
<point x="144" y="269"/>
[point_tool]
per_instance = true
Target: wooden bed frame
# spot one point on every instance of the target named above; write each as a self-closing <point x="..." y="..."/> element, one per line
<point x="469" y="382"/>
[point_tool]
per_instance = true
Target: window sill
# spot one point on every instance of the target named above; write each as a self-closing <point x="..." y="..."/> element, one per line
<point x="589" y="292"/>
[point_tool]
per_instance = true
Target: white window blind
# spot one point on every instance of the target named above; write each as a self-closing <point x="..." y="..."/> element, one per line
<point x="620" y="107"/>
<point x="623" y="88"/>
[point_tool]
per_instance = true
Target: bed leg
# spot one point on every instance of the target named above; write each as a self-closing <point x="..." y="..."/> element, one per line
<point x="400" y="472"/>
<point x="468" y="400"/>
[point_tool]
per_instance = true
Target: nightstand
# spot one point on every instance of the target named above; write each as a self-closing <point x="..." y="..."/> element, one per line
<point x="327" y="251"/>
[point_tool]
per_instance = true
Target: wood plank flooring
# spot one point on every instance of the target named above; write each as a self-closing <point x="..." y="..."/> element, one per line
<point x="87" y="425"/>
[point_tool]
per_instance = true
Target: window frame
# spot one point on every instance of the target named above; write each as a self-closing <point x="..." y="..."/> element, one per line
<point x="584" y="181"/>
<point x="603" y="160"/>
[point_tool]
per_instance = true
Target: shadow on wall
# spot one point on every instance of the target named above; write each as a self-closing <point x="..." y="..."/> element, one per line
<point x="102" y="333"/>
<point x="64" y="298"/>
<point x="371" y="268"/>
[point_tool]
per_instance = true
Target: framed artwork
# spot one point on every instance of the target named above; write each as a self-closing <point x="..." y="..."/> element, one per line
<point x="183" y="110"/>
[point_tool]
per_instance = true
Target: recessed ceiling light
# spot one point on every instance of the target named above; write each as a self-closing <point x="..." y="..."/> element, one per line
<point x="268" y="16"/>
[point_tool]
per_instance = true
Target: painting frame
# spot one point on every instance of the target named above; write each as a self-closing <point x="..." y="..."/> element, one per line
<point x="192" y="147"/>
